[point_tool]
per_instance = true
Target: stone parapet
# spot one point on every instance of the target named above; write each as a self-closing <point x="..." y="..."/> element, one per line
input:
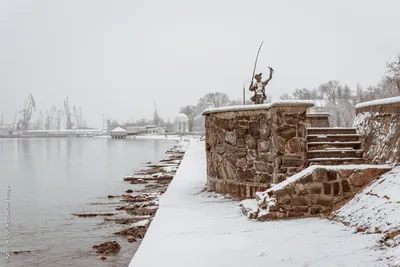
<point x="316" y="190"/>
<point x="250" y="147"/>
<point x="319" y="119"/>
<point x="378" y="122"/>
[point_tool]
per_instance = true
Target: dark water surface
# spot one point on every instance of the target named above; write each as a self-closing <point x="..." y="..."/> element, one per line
<point x="52" y="178"/>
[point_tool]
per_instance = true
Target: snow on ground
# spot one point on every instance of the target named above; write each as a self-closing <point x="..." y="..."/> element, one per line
<point x="191" y="228"/>
<point x="377" y="208"/>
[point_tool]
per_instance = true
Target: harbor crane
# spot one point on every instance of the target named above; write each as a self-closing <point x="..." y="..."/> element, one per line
<point x="49" y="117"/>
<point x="29" y="107"/>
<point x="60" y="115"/>
<point x="39" y="122"/>
<point x="67" y="114"/>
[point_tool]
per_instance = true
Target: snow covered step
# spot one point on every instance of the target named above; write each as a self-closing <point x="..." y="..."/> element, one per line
<point x="335" y="153"/>
<point x="335" y="161"/>
<point x="337" y="144"/>
<point x="331" y="130"/>
<point x="333" y="137"/>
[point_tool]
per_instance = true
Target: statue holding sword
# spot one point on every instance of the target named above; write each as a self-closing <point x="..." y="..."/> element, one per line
<point x="258" y="87"/>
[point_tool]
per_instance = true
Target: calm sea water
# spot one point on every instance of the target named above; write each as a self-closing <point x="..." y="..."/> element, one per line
<point x="52" y="178"/>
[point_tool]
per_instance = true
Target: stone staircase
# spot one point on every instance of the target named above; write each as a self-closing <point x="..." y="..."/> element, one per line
<point x="334" y="146"/>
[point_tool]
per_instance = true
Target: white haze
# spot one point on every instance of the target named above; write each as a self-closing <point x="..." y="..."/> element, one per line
<point x="117" y="57"/>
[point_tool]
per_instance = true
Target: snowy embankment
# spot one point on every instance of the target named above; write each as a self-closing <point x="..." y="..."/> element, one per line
<point x="377" y="210"/>
<point x="195" y="228"/>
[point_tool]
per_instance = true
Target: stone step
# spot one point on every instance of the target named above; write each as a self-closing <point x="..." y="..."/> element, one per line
<point x="331" y="130"/>
<point x="335" y="161"/>
<point x="333" y="137"/>
<point x="335" y="153"/>
<point x="324" y="145"/>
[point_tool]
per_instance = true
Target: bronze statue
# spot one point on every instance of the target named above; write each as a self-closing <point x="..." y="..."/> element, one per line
<point x="259" y="87"/>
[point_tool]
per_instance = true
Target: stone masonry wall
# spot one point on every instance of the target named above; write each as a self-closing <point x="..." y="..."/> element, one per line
<point x="379" y="124"/>
<point x="318" y="190"/>
<point x="247" y="150"/>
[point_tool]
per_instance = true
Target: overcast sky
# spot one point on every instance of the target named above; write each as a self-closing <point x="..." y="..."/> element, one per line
<point x="117" y="57"/>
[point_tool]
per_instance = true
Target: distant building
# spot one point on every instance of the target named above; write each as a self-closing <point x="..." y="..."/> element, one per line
<point x="181" y="123"/>
<point x="118" y="133"/>
<point x="148" y="129"/>
<point x="319" y="106"/>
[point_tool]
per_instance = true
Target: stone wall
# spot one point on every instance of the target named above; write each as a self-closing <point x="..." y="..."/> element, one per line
<point x="250" y="147"/>
<point x="318" y="119"/>
<point x="317" y="190"/>
<point x="379" y="124"/>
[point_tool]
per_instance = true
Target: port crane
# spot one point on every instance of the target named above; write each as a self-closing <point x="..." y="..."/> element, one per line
<point x="60" y="115"/>
<point x="49" y="117"/>
<point x="29" y="107"/>
<point x="68" y="114"/>
<point x="39" y="122"/>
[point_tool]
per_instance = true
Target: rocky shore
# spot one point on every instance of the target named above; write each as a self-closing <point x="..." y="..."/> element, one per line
<point x="137" y="207"/>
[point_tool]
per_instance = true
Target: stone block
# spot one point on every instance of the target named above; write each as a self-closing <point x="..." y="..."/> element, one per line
<point x="319" y="175"/>
<point x="302" y="209"/>
<point x="301" y="130"/>
<point x="270" y="169"/>
<point x="260" y="166"/>
<point x="241" y="132"/>
<point x="300" y="201"/>
<point x="331" y="175"/>
<point x="345" y="173"/>
<point x="267" y="157"/>
<point x="336" y="188"/>
<point x="345" y="186"/>
<point x="241" y="163"/>
<point x="315" y="188"/>
<point x="306" y="179"/>
<point x="220" y="149"/>
<point x="264" y="145"/>
<point x="279" y="144"/>
<point x="251" y="142"/>
<point x="240" y="143"/>
<point x="230" y="137"/>
<point x="281" y="193"/>
<point x="294" y="170"/>
<point x="293" y="146"/>
<point x="265" y="129"/>
<point x="315" y="210"/>
<point x="241" y="152"/>
<point x="324" y="201"/>
<point x="327" y="188"/>
<point x="224" y="124"/>
<point x="280" y="177"/>
<point x="265" y="178"/>
<point x="301" y="190"/>
<point x="291" y="189"/>
<point x="286" y="131"/>
<point x="254" y="129"/>
<point x="251" y="155"/>
<point x="291" y="161"/>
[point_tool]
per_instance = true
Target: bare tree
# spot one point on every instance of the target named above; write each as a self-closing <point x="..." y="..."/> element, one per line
<point x="215" y="100"/>
<point x="286" y="96"/>
<point x="191" y="112"/>
<point x="341" y="103"/>
<point x="394" y="72"/>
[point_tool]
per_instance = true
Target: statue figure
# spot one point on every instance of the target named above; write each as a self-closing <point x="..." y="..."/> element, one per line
<point x="259" y="87"/>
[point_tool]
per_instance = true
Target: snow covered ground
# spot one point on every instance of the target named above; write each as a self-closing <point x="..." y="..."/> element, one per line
<point x="196" y="228"/>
